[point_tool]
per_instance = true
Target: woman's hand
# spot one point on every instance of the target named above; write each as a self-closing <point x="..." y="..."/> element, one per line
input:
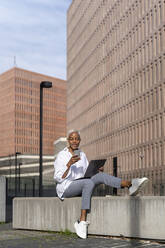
<point x="73" y="160"/>
<point x="101" y="169"/>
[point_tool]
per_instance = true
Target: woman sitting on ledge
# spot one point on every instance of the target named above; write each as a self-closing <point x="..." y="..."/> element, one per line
<point x="70" y="167"/>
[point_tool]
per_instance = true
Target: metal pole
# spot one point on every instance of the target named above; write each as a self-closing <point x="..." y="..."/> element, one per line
<point x="43" y="84"/>
<point x="33" y="182"/>
<point x="19" y="177"/>
<point x="40" y="169"/>
<point x="17" y="153"/>
<point x="115" y="173"/>
<point x="15" y="174"/>
<point x="10" y="172"/>
<point x="25" y="190"/>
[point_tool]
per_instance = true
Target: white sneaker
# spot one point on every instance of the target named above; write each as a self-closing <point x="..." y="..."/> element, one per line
<point x="137" y="185"/>
<point x="81" y="228"/>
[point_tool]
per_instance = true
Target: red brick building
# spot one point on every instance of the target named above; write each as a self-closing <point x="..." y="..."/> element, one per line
<point x="20" y="116"/>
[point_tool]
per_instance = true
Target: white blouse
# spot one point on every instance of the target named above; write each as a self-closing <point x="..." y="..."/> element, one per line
<point x="77" y="170"/>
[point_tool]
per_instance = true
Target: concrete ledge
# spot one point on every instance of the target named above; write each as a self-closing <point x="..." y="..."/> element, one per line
<point x="2" y="199"/>
<point x="142" y="217"/>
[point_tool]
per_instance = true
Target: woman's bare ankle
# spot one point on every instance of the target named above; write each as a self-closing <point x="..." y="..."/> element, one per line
<point x="83" y="215"/>
<point x="125" y="184"/>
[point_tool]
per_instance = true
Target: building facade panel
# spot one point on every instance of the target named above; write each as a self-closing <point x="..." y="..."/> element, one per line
<point x="116" y="84"/>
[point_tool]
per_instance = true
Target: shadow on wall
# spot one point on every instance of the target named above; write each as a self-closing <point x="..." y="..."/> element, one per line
<point x="135" y="208"/>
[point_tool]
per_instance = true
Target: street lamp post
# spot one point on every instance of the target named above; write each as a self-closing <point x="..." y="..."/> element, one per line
<point x="43" y="84"/>
<point x="17" y="153"/>
<point x="19" y="177"/>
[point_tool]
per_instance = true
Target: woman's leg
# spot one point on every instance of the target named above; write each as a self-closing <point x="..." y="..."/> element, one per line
<point x="84" y="188"/>
<point x="115" y="182"/>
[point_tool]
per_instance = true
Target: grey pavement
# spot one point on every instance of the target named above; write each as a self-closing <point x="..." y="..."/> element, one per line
<point x="14" y="238"/>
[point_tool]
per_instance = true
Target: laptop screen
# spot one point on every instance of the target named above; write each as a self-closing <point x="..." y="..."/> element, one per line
<point x="93" y="167"/>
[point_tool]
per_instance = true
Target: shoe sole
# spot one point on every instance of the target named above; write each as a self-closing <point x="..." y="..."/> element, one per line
<point x="140" y="187"/>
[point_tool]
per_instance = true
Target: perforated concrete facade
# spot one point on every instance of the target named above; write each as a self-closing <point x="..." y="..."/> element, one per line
<point x="116" y="84"/>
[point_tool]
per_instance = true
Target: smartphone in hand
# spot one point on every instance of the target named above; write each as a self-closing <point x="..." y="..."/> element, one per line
<point x="77" y="152"/>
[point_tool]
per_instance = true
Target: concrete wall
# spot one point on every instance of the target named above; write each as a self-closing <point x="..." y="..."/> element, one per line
<point x="2" y="199"/>
<point x="142" y="217"/>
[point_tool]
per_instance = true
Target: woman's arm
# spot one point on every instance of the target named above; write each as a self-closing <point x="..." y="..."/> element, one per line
<point x="73" y="160"/>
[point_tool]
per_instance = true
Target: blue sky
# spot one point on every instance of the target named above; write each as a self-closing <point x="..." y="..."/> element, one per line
<point x="34" y="32"/>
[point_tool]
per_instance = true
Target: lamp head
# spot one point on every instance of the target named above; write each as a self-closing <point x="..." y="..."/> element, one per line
<point x="46" y="84"/>
<point x="18" y="153"/>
